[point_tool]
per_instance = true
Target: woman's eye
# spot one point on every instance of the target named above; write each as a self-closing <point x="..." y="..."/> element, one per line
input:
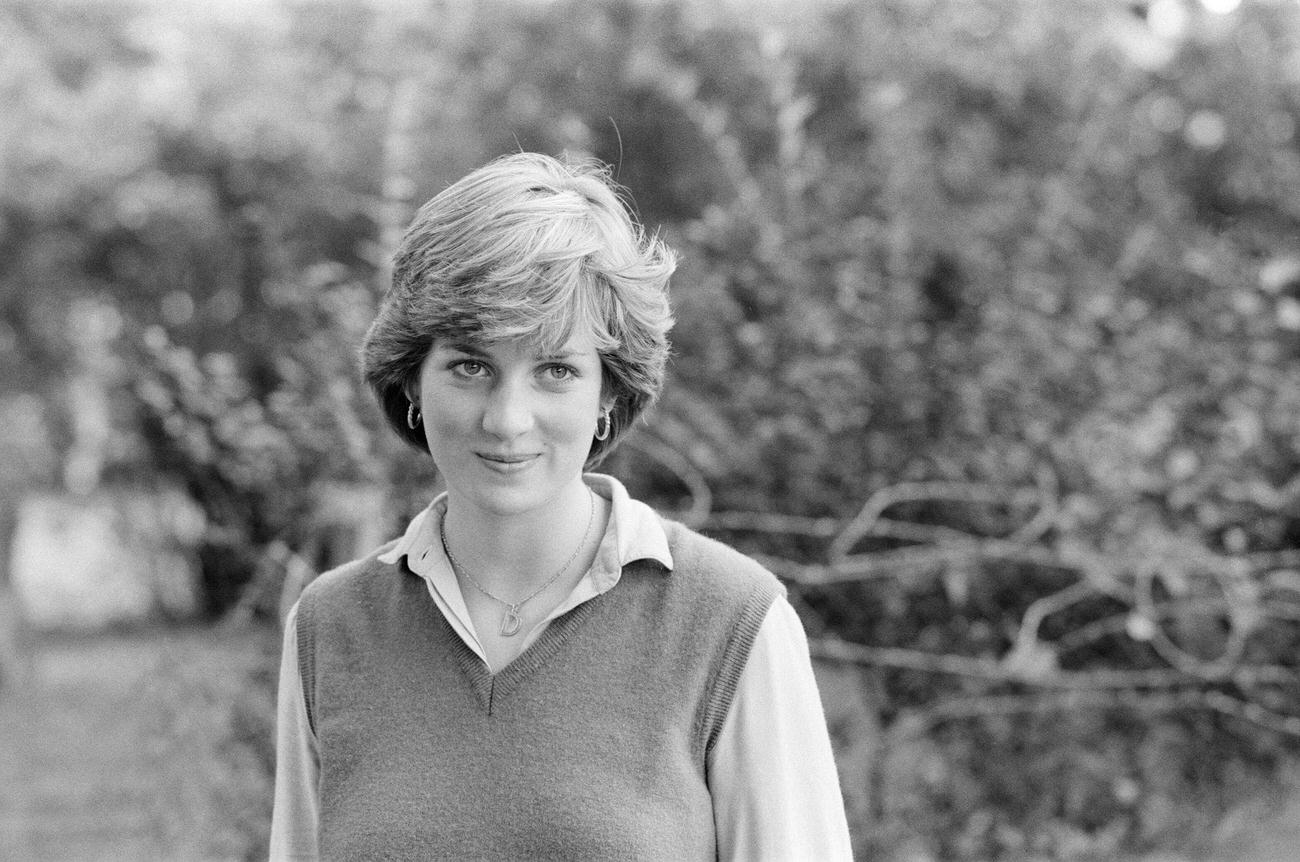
<point x="559" y="372"/>
<point x="469" y="368"/>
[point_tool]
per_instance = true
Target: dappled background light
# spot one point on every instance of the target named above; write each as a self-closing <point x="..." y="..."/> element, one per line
<point x="988" y="345"/>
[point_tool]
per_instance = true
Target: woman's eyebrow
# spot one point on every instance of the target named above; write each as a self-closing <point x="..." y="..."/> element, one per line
<point x="465" y="347"/>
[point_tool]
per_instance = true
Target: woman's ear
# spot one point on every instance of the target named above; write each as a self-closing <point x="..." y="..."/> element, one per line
<point x="411" y="386"/>
<point x="608" y="395"/>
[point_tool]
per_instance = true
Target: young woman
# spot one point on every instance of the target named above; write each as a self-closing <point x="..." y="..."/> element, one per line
<point x="542" y="667"/>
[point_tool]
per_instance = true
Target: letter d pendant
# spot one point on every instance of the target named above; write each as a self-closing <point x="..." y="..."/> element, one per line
<point x="510" y="622"/>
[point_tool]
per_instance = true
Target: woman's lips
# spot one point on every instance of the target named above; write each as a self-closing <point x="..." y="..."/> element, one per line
<point x="506" y="463"/>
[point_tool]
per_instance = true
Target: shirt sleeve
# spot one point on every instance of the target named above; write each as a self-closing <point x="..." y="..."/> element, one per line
<point x="297" y="765"/>
<point x="776" y="792"/>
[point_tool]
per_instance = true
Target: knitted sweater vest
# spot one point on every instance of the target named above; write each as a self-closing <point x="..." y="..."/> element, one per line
<point x="591" y="745"/>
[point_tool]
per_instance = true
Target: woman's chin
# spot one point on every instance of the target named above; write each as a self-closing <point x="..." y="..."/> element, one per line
<point x="511" y="492"/>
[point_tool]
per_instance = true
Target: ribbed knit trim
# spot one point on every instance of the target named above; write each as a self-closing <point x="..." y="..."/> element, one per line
<point x="307" y="656"/>
<point x="306" y="636"/>
<point x="722" y="688"/>
<point x="489" y="687"/>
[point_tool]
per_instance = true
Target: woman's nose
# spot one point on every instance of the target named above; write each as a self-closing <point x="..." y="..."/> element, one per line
<point x="508" y="412"/>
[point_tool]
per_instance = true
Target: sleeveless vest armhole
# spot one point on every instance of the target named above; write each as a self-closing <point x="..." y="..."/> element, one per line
<point x="734" y="658"/>
<point x="306" y="632"/>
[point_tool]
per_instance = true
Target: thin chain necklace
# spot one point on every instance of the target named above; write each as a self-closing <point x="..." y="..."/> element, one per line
<point x="511" y="622"/>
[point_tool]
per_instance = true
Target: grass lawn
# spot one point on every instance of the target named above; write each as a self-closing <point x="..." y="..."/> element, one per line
<point x="152" y="744"/>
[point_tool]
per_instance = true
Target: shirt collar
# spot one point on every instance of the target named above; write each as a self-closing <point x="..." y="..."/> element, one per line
<point x="634" y="533"/>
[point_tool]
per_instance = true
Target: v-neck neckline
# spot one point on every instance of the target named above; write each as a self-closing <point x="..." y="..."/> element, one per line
<point x="489" y="687"/>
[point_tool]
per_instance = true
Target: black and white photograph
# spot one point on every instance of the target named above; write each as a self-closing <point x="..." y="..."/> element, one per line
<point x="657" y="430"/>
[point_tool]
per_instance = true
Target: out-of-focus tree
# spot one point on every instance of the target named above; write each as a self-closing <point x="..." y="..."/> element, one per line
<point x="222" y="237"/>
<point x="998" y="289"/>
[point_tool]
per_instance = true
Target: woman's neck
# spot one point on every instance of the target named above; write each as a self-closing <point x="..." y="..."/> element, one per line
<point x="510" y="554"/>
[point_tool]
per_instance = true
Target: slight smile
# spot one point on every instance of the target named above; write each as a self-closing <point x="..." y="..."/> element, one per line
<point x="506" y="463"/>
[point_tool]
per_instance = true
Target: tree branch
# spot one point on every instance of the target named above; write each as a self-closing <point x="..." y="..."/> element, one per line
<point x="1040" y="609"/>
<point x="832" y="649"/>
<point x="766" y="522"/>
<point x="921" y="722"/>
<point x="689" y="475"/>
<point x="910" y="561"/>
<point x="966" y="492"/>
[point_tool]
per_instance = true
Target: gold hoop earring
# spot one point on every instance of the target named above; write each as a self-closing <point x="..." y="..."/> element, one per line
<point x="412" y="416"/>
<point x="603" y="425"/>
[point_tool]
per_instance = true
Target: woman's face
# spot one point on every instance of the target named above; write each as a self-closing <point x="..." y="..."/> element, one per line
<point x="508" y="427"/>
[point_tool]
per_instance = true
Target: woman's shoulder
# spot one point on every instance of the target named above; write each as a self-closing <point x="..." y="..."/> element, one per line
<point x="705" y="560"/>
<point x="350" y="578"/>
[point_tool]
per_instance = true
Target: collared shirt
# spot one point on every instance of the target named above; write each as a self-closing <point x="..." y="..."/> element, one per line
<point x="772" y="774"/>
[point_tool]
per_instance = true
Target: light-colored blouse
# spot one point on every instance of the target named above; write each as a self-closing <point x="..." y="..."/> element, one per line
<point x="772" y="776"/>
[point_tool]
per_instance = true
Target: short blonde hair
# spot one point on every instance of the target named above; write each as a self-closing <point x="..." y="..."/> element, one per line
<point x="527" y="247"/>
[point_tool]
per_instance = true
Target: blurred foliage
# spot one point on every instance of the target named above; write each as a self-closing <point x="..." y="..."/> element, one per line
<point x="1034" y="260"/>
